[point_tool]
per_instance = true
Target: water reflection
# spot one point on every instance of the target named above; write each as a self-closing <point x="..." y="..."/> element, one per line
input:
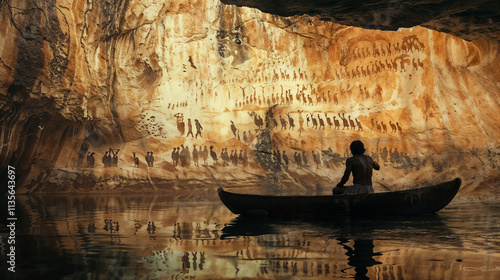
<point x="161" y="237"/>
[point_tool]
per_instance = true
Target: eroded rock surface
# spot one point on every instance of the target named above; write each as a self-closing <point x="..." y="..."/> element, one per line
<point x="232" y="96"/>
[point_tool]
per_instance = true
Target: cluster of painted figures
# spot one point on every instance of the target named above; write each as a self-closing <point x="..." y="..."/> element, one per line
<point x="110" y="158"/>
<point x="317" y="122"/>
<point x="184" y="157"/>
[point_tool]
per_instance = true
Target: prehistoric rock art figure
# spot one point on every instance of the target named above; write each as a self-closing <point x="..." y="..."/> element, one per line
<point x="136" y="160"/>
<point x="91" y="160"/>
<point x="404" y="61"/>
<point x="234" y="157"/>
<point x="321" y="123"/>
<point x="204" y="154"/>
<point x="224" y="156"/>
<point x="399" y="127"/>
<point x="199" y="128"/>
<point x="114" y="152"/>
<point x="196" y="156"/>
<point x="106" y="160"/>
<point x="414" y="64"/>
<point x="175" y="156"/>
<point x="358" y="123"/>
<point x="291" y="123"/>
<point x="328" y="121"/>
<point x="88" y="159"/>
<point x="336" y="122"/>
<point x="277" y="155"/>
<point x="393" y="127"/>
<point x="351" y="123"/>
<point x="314" y="122"/>
<point x="283" y="123"/>
<point x="301" y="122"/>
<point x="190" y="129"/>
<point x="185" y="156"/>
<point x="213" y="155"/>
<point x="304" y="158"/>
<point x="298" y="159"/>
<point x="316" y="158"/>
<point x="384" y="126"/>
<point x="257" y="119"/>
<point x="285" y="158"/>
<point x="344" y="120"/>
<point x="180" y="123"/>
<point x="234" y="129"/>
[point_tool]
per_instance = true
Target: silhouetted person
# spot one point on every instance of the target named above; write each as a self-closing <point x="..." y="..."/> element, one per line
<point x="151" y="159"/>
<point x="361" y="167"/>
<point x="360" y="256"/>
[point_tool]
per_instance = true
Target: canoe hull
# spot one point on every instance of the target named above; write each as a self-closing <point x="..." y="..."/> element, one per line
<point x="416" y="201"/>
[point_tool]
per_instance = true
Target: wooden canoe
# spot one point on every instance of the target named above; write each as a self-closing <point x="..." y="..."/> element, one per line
<point x="414" y="201"/>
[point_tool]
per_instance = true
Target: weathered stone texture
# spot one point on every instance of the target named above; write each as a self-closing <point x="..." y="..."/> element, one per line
<point x="164" y="76"/>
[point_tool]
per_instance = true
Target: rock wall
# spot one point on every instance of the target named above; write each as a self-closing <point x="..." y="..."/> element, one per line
<point x="276" y="99"/>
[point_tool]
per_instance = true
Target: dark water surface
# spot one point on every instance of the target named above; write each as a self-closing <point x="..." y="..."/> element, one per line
<point x="203" y="240"/>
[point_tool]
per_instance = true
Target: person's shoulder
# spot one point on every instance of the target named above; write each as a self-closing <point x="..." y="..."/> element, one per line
<point x="368" y="157"/>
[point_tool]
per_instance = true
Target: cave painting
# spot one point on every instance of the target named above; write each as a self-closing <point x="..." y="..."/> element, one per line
<point x="90" y="159"/>
<point x="136" y="160"/>
<point x="110" y="158"/>
<point x="297" y="98"/>
<point x="388" y="56"/>
<point x="150" y="159"/>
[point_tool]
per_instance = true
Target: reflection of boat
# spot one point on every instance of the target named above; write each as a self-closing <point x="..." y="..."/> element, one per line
<point x="415" y="201"/>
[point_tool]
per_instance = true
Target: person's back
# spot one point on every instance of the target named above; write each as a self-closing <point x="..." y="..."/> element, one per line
<point x="361" y="167"/>
<point x="362" y="170"/>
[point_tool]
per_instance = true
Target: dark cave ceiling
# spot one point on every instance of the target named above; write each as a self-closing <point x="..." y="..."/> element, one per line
<point x="469" y="20"/>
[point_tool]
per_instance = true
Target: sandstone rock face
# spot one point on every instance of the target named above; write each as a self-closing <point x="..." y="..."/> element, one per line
<point x="232" y="96"/>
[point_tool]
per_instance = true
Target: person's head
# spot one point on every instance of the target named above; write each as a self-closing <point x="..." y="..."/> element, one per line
<point x="357" y="148"/>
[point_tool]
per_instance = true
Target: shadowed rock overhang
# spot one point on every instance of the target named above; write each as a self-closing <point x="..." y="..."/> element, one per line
<point x="468" y="20"/>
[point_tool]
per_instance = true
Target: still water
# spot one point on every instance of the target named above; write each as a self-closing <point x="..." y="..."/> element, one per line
<point x="68" y="237"/>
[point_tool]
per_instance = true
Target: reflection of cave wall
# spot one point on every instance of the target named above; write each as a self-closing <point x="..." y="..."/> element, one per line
<point x="174" y="80"/>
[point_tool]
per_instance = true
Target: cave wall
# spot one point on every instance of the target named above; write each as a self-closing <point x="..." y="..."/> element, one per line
<point x="87" y="76"/>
